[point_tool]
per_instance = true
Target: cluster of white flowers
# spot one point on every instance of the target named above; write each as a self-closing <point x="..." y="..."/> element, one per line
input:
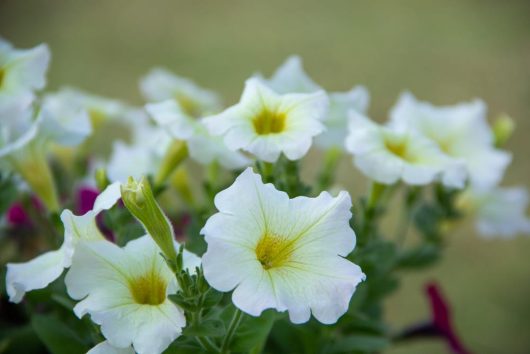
<point x="272" y="251"/>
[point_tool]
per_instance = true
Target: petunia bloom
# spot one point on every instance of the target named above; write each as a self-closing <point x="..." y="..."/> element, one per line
<point x="440" y="325"/>
<point x="44" y="269"/>
<point x="161" y="85"/>
<point x="281" y="253"/>
<point x="125" y="291"/>
<point x="498" y="211"/>
<point x="461" y="131"/>
<point x="202" y="146"/>
<point x="267" y="124"/>
<point x="388" y="155"/>
<point x="22" y="71"/>
<point x="291" y="77"/>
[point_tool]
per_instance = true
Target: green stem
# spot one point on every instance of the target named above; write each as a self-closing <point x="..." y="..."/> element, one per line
<point x="207" y="344"/>
<point x="232" y="328"/>
<point x="327" y="174"/>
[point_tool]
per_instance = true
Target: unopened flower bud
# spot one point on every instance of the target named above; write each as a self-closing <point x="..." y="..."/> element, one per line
<point x="503" y="129"/>
<point x="139" y="199"/>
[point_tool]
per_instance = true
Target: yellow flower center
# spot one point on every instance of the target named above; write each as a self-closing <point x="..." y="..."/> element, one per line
<point x="399" y="148"/>
<point x="268" y="122"/>
<point x="148" y="289"/>
<point x="274" y="251"/>
<point x="97" y="117"/>
<point x="188" y="105"/>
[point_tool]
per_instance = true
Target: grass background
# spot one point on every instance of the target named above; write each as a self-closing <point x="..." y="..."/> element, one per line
<point x="443" y="52"/>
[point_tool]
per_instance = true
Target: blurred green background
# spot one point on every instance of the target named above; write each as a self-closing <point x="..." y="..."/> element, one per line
<point x="443" y="52"/>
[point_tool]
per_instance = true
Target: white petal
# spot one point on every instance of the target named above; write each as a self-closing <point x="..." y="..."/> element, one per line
<point x="291" y="77"/>
<point x="169" y="116"/>
<point x="38" y="273"/>
<point x="106" y="348"/>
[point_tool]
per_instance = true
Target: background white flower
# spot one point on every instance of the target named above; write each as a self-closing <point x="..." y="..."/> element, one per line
<point x="160" y="85"/>
<point x="44" y="269"/>
<point x="281" y="253"/>
<point x="202" y="146"/>
<point x="388" y="155"/>
<point x="461" y="131"/>
<point x="267" y="124"/>
<point x="125" y="290"/>
<point x="22" y="71"/>
<point x="499" y="211"/>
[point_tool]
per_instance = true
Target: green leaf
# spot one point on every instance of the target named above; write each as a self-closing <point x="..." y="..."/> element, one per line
<point x="56" y="336"/>
<point x="253" y="332"/>
<point x="419" y="257"/>
<point x="207" y="328"/>
<point x="8" y="192"/>
<point x="359" y="343"/>
<point x="212" y="298"/>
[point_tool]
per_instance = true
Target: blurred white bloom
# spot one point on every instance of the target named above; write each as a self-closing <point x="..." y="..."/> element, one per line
<point x="290" y="77"/>
<point x="160" y="85"/>
<point x="65" y="122"/>
<point x="141" y="157"/>
<point x="461" y="132"/>
<point x="281" y="253"/>
<point x="267" y="124"/>
<point x="125" y="290"/>
<point x="25" y="140"/>
<point x="499" y="211"/>
<point x="106" y="348"/>
<point x="44" y="269"/>
<point x="100" y="109"/>
<point x="203" y="147"/>
<point x="22" y="70"/>
<point x="340" y="104"/>
<point x="388" y="155"/>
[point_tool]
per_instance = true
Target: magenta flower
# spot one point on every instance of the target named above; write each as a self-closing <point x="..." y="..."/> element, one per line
<point x="440" y="324"/>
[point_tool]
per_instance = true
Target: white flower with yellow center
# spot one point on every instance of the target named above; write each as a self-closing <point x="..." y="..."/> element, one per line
<point x="22" y="71"/>
<point x="388" y="155"/>
<point x="202" y="146"/>
<point x="461" y="131"/>
<point x="44" y="269"/>
<point x="161" y="85"/>
<point x="125" y="291"/>
<point x="267" y="124"/>
<point x="499" y="211"/>
<point x="291" y="77"/>
<point x="281" y="253"/>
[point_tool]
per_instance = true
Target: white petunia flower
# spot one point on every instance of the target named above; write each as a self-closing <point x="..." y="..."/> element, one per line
<point x="291" y="77"/>
<point x="125" y="291"/>
<point x="461" y="131"/>
<point x="146" y="150"/>
<point x="44" y="269"/>
<point x="65" y="122"/>
<point x="100" y="109"/>
<point x="388" y="155"/>
<point x="203" y="147"/>
<point x="281" y="253"/>
<point x="340" y="104"/>
<point x="267" y="124"/>
<point x="106" y="348"/>
<point x="161" y="85"/>
<point x="498" y="211"/>
<point x="22" y="71"/>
